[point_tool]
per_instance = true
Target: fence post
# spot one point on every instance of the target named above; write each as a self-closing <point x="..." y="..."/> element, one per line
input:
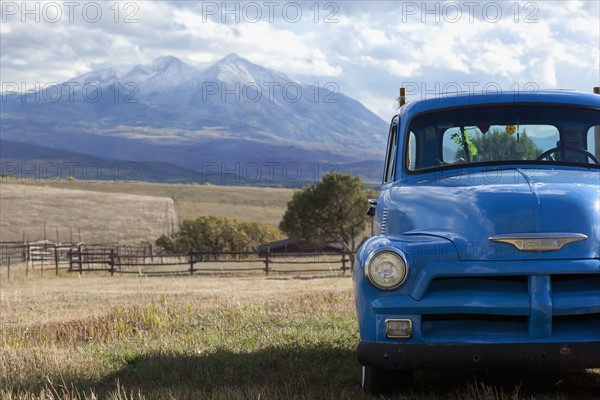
<point x="119" y="259"/>
<point x="70" y="258"/>
<point x="8" y="273"/>
<point x="56" y="258"/>
<point x="267" y="261"/>
<point x="80" y="260"/>
<point x="191" y="255"/>
<point x="112" y="262"/>
<point x="343" y="263"/>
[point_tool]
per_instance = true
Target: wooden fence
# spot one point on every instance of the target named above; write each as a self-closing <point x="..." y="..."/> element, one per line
<point x="45" y="250"/>
<point x="45" y="257"/>
<point x="209" y="263"/>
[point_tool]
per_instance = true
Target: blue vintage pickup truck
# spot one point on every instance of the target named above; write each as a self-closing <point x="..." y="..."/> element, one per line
<point x="486" y="237"/>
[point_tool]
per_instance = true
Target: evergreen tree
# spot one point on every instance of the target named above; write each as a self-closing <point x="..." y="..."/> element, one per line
<point x="333" y="211"/>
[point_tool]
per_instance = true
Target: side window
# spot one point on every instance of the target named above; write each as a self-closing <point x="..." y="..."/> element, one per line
<point x="411" y="152"/>
<point x="451" y="150"/>
<point x="390" y="159"/>
<point x="593" y="140"/>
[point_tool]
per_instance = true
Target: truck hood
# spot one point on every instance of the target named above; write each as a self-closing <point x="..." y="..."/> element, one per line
<point x="472" y="208"/>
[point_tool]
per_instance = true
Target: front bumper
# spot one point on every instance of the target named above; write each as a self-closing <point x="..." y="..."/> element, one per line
<point x="428" y="356"/>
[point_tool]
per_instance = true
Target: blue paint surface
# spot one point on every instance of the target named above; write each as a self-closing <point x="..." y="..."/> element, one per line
<point x="463" y="288"/>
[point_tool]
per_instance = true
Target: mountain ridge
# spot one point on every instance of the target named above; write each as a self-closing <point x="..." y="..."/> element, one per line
<point x="232" y="110"/>
<point x="28" y="161"/>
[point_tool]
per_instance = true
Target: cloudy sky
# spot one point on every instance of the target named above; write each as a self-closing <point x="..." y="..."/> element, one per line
<point x="368" y="49"/>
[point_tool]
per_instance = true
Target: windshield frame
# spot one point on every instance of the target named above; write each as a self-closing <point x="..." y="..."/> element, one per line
<point x="470" y="165"/>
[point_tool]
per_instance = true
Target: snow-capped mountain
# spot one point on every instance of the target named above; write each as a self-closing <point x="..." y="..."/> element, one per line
<point x="101" y="75"/>
<point x="169" y="111"/>
<point x="167" y="71"/>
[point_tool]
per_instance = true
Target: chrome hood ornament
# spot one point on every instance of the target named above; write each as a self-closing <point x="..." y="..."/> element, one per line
<point x="539" y="241"/>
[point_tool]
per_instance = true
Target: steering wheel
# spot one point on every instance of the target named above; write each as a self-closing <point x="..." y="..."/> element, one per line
<point x="546" y="154"/>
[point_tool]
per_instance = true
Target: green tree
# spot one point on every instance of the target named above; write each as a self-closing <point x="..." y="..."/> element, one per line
<point x="463" y="139"/>
<point x="217" y="234"/>
<point x="333" y="211"/>
<point x="496" y="145"/>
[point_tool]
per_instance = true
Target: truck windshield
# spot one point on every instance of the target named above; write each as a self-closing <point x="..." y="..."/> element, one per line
<point x="503" y="134"/>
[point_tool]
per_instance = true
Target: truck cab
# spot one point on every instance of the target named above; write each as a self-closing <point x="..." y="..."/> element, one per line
<point x="485" y="247"/>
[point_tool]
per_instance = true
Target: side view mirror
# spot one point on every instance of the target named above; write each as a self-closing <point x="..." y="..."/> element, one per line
<point x="372" y="206"/>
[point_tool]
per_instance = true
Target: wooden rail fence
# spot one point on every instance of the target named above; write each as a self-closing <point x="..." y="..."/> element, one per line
<point x="208" y="262"/>
<point x="44" y="257"/>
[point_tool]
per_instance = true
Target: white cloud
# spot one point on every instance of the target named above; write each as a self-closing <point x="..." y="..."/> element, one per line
<point x="374" y="37"/>
<point x="371" y="49"/>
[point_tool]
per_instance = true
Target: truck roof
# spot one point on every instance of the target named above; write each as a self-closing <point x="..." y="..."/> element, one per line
<point x="452" y="100"/>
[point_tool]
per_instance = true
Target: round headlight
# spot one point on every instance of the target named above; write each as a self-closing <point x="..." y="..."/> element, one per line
<point x="386" y="270"/>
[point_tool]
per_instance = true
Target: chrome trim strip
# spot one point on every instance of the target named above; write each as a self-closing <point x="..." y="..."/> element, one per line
<point x="550" y="241"/>
<point x="384" y="221"/>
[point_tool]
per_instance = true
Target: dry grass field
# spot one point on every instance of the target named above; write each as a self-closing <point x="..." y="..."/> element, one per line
<point x="82" y="214"/>
<point x="130" y="337"/>
<point x="74" y="206"/>
<point x="243" y="336"/>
